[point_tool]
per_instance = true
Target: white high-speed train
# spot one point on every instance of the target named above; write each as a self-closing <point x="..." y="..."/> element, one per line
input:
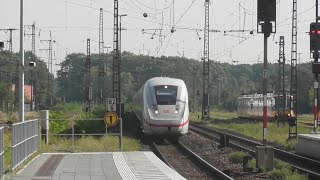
<point x="162" y="107"/>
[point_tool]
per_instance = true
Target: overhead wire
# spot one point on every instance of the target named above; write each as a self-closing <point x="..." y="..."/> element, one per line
<point x="157" y="9"/>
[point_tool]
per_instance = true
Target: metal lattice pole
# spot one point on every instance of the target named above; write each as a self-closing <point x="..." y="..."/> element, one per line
<point x="33" y="58"/>
<point x="293" y="83"/>
<point x="101" y="70"/>
<point x="10" y="36"/>
<point x="88" y="79"/>
<point x="205" y="95"/>
<point x="16" y="80"/>
<point x="50" y="81"/>
<point x="116" y="59"/>
<point x="281" y="102"/>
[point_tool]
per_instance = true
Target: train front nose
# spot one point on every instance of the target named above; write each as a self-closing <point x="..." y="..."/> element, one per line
<point x="166" y="121"/>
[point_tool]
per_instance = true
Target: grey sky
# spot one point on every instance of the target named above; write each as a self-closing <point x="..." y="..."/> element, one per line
<point x="73" y="21"/>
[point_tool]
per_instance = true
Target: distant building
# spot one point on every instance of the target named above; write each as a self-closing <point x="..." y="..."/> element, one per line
<point x="28" y="94"/>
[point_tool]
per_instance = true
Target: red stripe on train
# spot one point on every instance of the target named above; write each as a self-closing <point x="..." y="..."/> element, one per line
<point x="167" y="125"/>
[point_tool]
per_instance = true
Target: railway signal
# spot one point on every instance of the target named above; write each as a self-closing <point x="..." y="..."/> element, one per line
<point x="314" y="37"/>
<point x="266" y="24"/>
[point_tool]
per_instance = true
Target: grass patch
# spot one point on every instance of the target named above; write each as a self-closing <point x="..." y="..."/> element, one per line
<point x="216" y="114"/>
<point x="276" y="134"/>
<point x="237" y="157"/>
<point x="282" y="171"/>
<point x="90" y="144"/>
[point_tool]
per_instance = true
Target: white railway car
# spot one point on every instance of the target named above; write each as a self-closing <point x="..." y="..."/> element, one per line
<point x="251" y="106"/>
<point x="162" y="107"/>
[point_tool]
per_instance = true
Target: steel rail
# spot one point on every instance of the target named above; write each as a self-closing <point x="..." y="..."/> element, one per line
<point x="204" y="163"/>
<point x="298" y="162"/>
<point x="216" y="172"/>
<point x="159" y="154"/>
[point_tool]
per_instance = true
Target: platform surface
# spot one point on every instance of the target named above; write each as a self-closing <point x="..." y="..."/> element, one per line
<point x="97" y="166"/>
<point x="314" y="137"/>
<point x="308" y="145"/>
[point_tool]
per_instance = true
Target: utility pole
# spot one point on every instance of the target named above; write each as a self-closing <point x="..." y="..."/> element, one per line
<point x="293" y="127"/>
<point x="107" y="49"/>
<point x="281" y="102"/>
<point x="88" y="90"/>
<point x="33" y="103"/>
<point x="206" y="62"/>
<point x="50" y="72"/>
<point x="101" y="69"/>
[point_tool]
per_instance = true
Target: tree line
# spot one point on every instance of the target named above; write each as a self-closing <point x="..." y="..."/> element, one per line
<point x="227" y="81"/>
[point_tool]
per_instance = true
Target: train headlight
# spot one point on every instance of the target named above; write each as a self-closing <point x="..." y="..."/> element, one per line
<point x="177" y="109"/>
<point x="156" y="112"/>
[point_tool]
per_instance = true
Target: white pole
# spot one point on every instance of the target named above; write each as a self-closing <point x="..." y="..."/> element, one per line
<point x="21" y="68"/>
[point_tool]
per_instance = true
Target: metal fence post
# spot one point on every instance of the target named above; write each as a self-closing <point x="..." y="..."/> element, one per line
<point x="72" y="135"/>
<point x="1" y="152"/>
<point x="120" y="144"/>
<point x="44" y="118"/>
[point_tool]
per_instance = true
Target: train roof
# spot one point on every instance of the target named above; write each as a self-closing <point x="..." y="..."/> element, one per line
<point x="256" y="95"/>
<point x="165" y="81"/>
<point x="259" y="95"/>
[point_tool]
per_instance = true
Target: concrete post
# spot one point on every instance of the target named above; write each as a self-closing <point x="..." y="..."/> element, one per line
<point x="44" y="123"/>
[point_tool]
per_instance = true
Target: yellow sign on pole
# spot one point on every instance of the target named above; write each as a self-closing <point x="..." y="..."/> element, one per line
<point x="111" y="118"/>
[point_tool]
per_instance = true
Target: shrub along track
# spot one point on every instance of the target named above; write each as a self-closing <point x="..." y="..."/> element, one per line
<point x="303" y="164"/>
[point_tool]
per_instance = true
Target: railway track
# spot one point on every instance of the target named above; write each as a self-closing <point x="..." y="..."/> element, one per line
<point x="184" y="161"/>
<point x="301" y="163"/>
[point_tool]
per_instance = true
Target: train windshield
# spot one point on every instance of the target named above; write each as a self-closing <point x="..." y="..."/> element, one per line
<point x="166" y="95"/>
<point x="282" y="103"/>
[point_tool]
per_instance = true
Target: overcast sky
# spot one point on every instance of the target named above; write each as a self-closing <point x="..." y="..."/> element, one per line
<point x="73" y="21"/>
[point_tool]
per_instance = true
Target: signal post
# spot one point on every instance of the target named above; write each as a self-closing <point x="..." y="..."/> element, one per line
<point x="314" y="51"/>
<point x="266" y="24"/>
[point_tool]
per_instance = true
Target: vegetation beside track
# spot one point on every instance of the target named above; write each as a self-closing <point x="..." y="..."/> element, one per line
<point x="84" y="143"/>
<point x="281" y="171"/>
<point x="278" y="135"/>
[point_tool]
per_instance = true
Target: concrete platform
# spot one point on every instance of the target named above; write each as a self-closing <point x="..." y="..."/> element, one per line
<point x="308" y="145"/>
<point x="97" y="166"/>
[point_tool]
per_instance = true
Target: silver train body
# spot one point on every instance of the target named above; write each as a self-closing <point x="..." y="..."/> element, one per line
<point x="162" y="107"/>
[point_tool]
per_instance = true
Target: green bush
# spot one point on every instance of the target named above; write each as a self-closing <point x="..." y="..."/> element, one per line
<point x="283" y="172"/>
<point x="237" y="157"/>
<point x="281" y="165"/>
<point x="277" y="175"/>
<point x="57" y="126"/>
<point x="67" y="107"/>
